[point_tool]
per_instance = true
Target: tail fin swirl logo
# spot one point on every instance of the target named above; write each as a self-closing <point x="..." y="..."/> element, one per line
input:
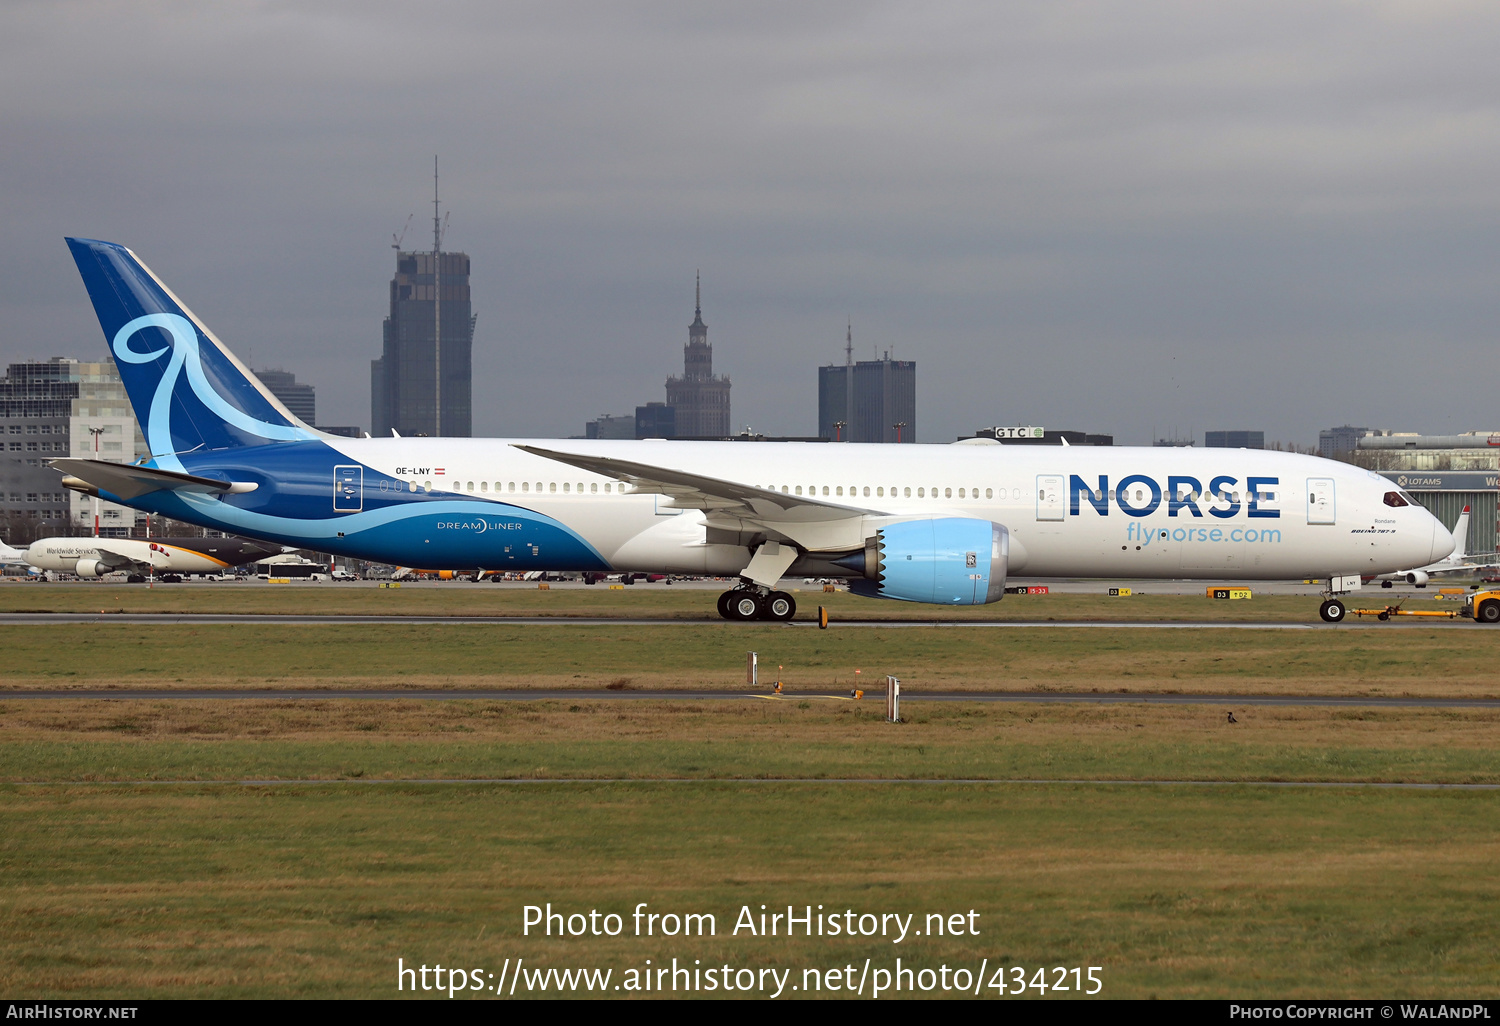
<point x="186" y="355"/>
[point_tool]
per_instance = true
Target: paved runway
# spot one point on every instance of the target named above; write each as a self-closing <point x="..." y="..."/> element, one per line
<point x="874" y="696"/>
<point x="203" y="619"/>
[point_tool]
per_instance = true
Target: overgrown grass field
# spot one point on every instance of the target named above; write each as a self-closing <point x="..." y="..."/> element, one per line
<point x="343" y="739"/>
<point x="135" y="863"/>
<point x="1174" y="891"/>
<point x="1398" y="661"/>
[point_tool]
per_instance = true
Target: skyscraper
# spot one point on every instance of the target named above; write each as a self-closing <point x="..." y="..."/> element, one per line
<point x="403" y="392"/>
<point x="700" y="399"/>
<point x="867" y="400"/>
<point x="423" y="382"/>
<point x="300" y="399"/>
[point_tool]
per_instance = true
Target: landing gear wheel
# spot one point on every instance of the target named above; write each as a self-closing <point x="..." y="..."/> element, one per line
<point x="135" y="579"/>
<point x="1489" y="612"/>
<point x="779" y="606"/>
<point x="724" y="600"/>
<point x="1332" y="611"/>
<point x="744" y="605"/>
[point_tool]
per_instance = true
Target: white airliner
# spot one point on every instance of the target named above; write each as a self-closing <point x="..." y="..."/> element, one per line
<point x="941" y="524"/>
<point x="1456" y="562"/>
<point x="95" y="557"/>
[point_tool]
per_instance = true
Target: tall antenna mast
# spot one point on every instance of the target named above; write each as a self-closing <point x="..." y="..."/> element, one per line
<point x="849" y="377"/>
<point x="437" y="308"/>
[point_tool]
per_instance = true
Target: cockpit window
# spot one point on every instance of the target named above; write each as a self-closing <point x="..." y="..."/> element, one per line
<point x="1395" y="499"/>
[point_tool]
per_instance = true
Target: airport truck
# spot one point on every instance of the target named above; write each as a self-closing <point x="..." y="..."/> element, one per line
<point x="1483" y="606"/>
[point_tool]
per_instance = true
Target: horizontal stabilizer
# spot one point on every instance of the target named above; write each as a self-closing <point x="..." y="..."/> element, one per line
<point x="128" y="481"/>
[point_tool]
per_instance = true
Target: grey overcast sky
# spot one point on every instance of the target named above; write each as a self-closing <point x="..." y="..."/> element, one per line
<point x="1118" y="217"/>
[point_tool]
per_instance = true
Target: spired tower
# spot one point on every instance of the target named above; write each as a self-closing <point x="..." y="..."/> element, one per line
<point x="700" y="399"/>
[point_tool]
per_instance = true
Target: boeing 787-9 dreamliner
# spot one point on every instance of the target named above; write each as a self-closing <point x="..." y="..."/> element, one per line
<point x="942" y="524"/>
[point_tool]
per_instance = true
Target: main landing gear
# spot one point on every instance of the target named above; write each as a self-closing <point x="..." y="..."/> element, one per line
<point x="756" y="604"/>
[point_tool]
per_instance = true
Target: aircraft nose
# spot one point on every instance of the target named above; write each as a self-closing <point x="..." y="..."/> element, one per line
<point x="1442" y="541"/>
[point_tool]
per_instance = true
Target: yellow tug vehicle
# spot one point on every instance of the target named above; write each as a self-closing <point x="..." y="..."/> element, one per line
<point x="1482" y="606"/>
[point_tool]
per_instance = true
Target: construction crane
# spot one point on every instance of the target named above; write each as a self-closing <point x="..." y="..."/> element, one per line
<point x="396" y="240"/>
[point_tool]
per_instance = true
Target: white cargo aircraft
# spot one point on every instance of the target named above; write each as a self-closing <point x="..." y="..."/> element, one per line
<point x="923" y="523"/>
<point x="95" y="557"/>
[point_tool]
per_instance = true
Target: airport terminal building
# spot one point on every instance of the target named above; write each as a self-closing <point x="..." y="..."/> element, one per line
<point x="1445" y="473"/>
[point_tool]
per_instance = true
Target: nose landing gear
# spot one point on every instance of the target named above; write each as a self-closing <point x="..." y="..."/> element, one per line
<point x="755" y="604"/>
<point x="1332" y="611"/>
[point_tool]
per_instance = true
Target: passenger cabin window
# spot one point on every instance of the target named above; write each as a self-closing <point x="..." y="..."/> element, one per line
<point x="1394" y="499"/>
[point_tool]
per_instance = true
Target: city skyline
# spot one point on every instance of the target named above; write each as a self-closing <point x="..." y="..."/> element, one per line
<point x="1106" y="219"/>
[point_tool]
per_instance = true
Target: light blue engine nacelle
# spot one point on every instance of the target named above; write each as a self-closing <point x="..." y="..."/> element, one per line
<point x="952" y="561"/>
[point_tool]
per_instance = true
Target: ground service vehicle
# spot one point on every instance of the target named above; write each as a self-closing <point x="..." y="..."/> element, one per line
<point x="1483" y="606"/>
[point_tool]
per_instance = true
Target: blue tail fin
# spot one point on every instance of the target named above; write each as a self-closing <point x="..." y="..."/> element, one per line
<point x="189" y="391"/>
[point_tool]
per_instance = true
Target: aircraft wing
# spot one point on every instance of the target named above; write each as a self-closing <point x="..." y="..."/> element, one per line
<point x="710" y="494"/>
<point x="129" y="481"/>
<point x="1466" y="568"/>
<point x="118" y="561"/>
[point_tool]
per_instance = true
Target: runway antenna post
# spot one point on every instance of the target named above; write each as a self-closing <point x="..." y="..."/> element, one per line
<point x="892" y="700"/>
<point x="752" y="669"/>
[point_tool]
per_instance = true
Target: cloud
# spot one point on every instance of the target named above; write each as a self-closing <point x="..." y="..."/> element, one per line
<point x="1117" y="217"/>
